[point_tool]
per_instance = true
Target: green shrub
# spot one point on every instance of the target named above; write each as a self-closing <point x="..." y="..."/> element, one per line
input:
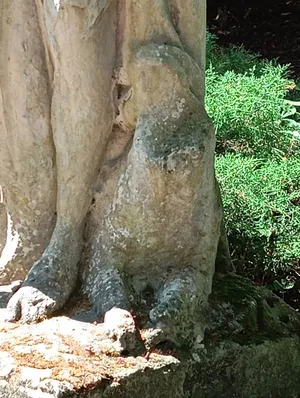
<point x="233" y="58"/>
<point x="246" y="98"/>
<point x="261" y="204"/>
<point x="258" y="157"/>
<point x="247" y="110"/>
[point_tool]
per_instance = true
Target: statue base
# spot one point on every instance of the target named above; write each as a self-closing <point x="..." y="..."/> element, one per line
<point x="251" y="349"/>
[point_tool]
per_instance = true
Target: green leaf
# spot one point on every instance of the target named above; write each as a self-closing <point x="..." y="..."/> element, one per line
<point x="294" y="103"/>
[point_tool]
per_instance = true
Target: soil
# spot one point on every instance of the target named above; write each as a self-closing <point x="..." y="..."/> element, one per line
<point x="269" y="27"/>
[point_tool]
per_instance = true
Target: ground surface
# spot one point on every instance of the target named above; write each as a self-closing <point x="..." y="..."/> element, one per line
<point x="251" y="349"/>
<point x="270" y="27"/>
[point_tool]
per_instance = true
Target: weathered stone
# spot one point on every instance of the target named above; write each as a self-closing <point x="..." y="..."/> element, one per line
<point x="120" y="326"/>
<point x="66" y="358"/>
<point x="27" y="165"/>
<point x="251" y="350"/>
<point x="3" y="225"/>
<point x="103" y="102"/>
<point x="251" y="347"/>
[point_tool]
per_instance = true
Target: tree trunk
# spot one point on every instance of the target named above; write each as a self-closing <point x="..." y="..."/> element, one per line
<point x="107" y="158"/>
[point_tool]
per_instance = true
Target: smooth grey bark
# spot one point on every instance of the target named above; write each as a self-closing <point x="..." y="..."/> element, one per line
<point x="106" y="141"/>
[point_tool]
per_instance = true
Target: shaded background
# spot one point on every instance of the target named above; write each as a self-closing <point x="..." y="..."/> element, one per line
<point x="270" y="27"/>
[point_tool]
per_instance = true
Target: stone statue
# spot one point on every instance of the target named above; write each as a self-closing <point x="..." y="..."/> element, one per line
<point x="107" y="159"/>
<point x="3" y="222"/>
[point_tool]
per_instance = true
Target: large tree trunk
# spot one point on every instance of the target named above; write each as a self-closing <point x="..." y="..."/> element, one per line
<point x="105" y="141"/>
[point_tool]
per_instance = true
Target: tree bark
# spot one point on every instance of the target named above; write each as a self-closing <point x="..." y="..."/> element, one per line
<point x="107" y="158"/>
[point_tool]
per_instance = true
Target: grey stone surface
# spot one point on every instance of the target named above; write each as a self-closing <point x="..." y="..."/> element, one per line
<point x="251" y="350"/>
<point x="62" y="357"/>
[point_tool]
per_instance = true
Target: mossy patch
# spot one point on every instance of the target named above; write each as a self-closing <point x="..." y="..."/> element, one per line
<point x="246" y="313"/>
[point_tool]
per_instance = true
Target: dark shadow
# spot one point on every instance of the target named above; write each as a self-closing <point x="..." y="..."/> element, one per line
<point x="79" y="308"/>
<point x="4" y="296"/>
<point x="269" y="27"/>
